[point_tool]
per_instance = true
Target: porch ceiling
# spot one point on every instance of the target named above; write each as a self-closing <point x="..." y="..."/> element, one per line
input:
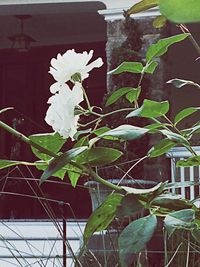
<point x="55" y="23"/>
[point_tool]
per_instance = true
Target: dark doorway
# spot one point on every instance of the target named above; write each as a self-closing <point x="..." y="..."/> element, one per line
<point x="24" y="85"/>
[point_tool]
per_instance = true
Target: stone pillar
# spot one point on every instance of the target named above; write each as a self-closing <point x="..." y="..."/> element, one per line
<point x="115" y="37"/>
<point x="156" y="169"/>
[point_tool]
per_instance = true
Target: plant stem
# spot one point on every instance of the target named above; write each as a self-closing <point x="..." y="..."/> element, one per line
<point x="117" y="111"/>
<point x="25" y="139"/>
<point x="172" y="124"/>
<point x="165" y="247"/>
<point x="86" y="99"/>
<point x="189" y="148"/>
<point x="139" y="85"/>
<point x="197" y="85"/>
<point x="95" y="113"/>
<point x="188" y="251"/>
<point x="140" y="80"/>
<point x="101" y="116"/>
<point x="104" y="182"/>
<point x="184" y="29"/>
<point x="173" y="256"/>
<point x="90" y="122"/>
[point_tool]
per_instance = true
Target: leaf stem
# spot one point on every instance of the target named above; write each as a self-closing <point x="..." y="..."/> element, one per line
<point x="189" y="147"/>
<point x="86" y="98"/>
<point x="89" y="123"/>
<point x="117" y="111"/>
<point x="139" y="85"/>
<point x="140" y="80"/>
<point x="109" y="113"/>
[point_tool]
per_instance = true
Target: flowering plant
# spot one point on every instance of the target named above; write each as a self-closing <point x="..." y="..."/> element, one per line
<point x="64" y="115"/>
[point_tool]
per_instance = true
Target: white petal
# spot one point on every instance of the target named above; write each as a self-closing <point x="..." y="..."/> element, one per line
<point x="95" y="64"/>
<point x="64" y="66"/>
<point x="77" y="94"/>
<point x="54" y="88"/>
<point x="86" y="57"/>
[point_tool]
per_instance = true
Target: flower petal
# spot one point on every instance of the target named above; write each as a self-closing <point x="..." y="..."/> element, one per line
<point x="60" y="114"/>
<point x="95" y="64"/>
<point x="77" y="94"/>
<point x="65" y="66"/>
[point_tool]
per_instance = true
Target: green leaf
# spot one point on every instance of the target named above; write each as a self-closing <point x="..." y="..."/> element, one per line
<point x="160" y="48"/>
<point x="8" y="163"/>
<point x="161" y="148"/>
<point x="142" y="6"/>
<point x="154" y="127"/>
<point x="133" y="94"/>
<point x="99" y="156"/>
<point x="128" y="206"/>
<point x="51" y="141"/>
<point x="175" y="137"/>
<point x="102" y="216"/>
<point x="196" y="234"/>
<point x="134" y="237"/>
<point x="101" y="130"/>
<point x="179" y="219"/>
<point x="185" y="113"/>
<point x="42" y="165"/>
<point x="5" y="109"/>
<point x="192" y="161"/>
<point x="178" y="83"/>
<point x="137" y="191"/>
<point x="117" y="94"/>
<point x="133" y="67"/>
<point x="150" y="109"/>
<point x="126" y="132"/>
<point x="73" y="174"/>
<point x="78" y="133"/>
<point x="159" y="21"/>
<point x="180" y="11"/>
<point x="59" y="162"/>
<point x="192" y="130"/>
<point x="171" y="202"/>
<point x="150" y="68"/>
<point x="83" y="141"/>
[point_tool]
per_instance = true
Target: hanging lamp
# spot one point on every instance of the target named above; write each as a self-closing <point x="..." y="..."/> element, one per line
<point x="21" y="42"/>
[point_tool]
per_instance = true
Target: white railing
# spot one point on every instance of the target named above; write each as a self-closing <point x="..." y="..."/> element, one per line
<point x="37" y="243"/>
<point x="183" y="174"/>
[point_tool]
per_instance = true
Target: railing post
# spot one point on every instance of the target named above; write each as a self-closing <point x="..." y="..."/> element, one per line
<point x="64" y="242"/>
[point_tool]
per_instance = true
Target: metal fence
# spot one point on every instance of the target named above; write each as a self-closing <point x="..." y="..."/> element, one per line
<point x="39" y="243"/>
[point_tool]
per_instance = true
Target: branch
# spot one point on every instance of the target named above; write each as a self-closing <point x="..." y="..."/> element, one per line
<point x="88" y="171"/>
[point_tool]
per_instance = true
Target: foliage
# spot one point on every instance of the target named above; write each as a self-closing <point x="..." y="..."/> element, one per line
<point x="178" y="11"/>
<point x="86" y="154"/>
<point x="103" y="216"/>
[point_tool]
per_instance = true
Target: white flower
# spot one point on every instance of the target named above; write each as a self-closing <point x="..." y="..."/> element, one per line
<point x="70" y="63"/>
<point x="60" y="114"/>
